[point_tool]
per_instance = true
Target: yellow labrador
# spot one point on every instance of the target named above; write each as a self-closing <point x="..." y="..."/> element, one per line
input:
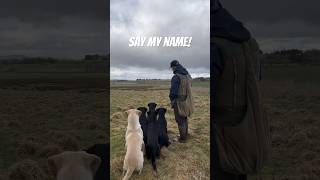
<point x="71" y="165"/>
<point x="134" y="144"/>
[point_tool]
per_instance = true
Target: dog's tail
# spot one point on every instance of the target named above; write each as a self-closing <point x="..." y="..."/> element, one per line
<point x="153" y="160"/>
<point x="128" y="173"/>
<point x="168" y="142"/>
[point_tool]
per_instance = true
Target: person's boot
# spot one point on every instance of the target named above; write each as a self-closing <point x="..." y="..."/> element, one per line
<point x="183" y="133"/>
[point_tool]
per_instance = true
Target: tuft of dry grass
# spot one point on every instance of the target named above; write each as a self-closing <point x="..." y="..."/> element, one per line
<point x="26" y="149"/>
<point x="26" y="170"/>
<point x="117" y="116"/>
<point x="13" y="124"/>
<point x="49" y="150"/>
<point x="66" y="141"/>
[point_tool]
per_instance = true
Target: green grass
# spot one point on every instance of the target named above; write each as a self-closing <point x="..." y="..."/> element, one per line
<point x="204" y="84"/>
<point x="183" y="161"/>
<point x="292" y="101"/>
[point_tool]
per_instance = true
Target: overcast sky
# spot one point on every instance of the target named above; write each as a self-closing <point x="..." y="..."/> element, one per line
<point x="159" y="18"/>
<point x="56" y="28"/>
<point x="73" y="28"/>
<point x="280" y="24"/>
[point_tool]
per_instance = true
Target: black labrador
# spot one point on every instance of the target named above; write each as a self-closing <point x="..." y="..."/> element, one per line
<point x="143" y="122"/>
<point x="162" y="125"/>
<point x="152" y="146"/>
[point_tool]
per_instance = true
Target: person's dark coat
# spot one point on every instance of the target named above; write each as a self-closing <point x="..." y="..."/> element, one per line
<point x="223" y="25"/>
<point x="175" y="81"/>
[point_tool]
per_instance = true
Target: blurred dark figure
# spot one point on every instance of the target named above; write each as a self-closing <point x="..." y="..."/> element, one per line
<point x="241" y="136"/>
<point x="102" y="151"/>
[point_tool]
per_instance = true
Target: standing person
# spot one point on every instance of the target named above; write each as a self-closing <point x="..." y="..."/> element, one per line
<point x="181" y="98"/>
<point x="241" y="133"/>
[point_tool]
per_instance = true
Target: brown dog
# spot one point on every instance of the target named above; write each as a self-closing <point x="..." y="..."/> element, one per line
<point x="71" y="165"/>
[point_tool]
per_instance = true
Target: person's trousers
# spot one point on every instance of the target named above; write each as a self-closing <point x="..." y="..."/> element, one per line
<point x="182" y="122"/>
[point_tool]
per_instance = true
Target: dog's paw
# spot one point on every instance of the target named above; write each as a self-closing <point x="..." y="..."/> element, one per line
<point x="155" y="174"/>
<point x="174" y="139"/>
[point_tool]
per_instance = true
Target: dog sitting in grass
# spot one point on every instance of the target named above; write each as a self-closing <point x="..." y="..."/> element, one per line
<point x="152" y="146"/>
<point x="134" y="143"/>
<point x="74" y="165"/>
<point x="143" y="122"/>
<point x="162" y="125"/>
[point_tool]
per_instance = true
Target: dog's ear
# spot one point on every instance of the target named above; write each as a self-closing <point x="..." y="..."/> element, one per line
<point x="128" y="112"/>
<point x="155" y="104"/>
<point x="145" y="109"/>
<point x="91" y="161"/>
<point x="138" y="112"/>
<point x="55" y="163"/>
<point x="142" y="109"/>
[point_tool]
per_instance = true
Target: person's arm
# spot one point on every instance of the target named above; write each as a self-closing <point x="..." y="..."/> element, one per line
<point x="217" y="62"/>
<point x="175" y="82"/>
<point x="257" y="55"/>
<point x="216" y="69"/>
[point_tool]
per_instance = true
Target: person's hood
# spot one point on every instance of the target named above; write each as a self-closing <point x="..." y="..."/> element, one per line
<point x="180" y="70"/>
<point x="224" y="25"/>
<point x="215" y="5"/>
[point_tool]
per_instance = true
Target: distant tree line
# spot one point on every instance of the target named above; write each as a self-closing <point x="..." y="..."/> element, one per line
<point x="194" y="79"/>
<point x="146" y="79"/>
<point x="49" y="60"/>
<point x="95" y="57"/>
<point x="30" y="60"/>
<point x="201" y="79"/>
<point x="292" y="56"/>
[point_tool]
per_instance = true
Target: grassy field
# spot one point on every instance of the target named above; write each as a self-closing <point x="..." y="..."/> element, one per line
<point x="292" y="100"/>
<point x="42" y="114"/>
<point x="182" y="161"/>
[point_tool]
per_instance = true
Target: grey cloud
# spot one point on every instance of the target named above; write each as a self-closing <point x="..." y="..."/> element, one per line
<point x="286" y="29"/>
<point x="279" y="24"/>
<point x="40" y="11"/>
<point x="67" y="29"/>
<point x="160" y="18"/>
<point x="275" y="11"/>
